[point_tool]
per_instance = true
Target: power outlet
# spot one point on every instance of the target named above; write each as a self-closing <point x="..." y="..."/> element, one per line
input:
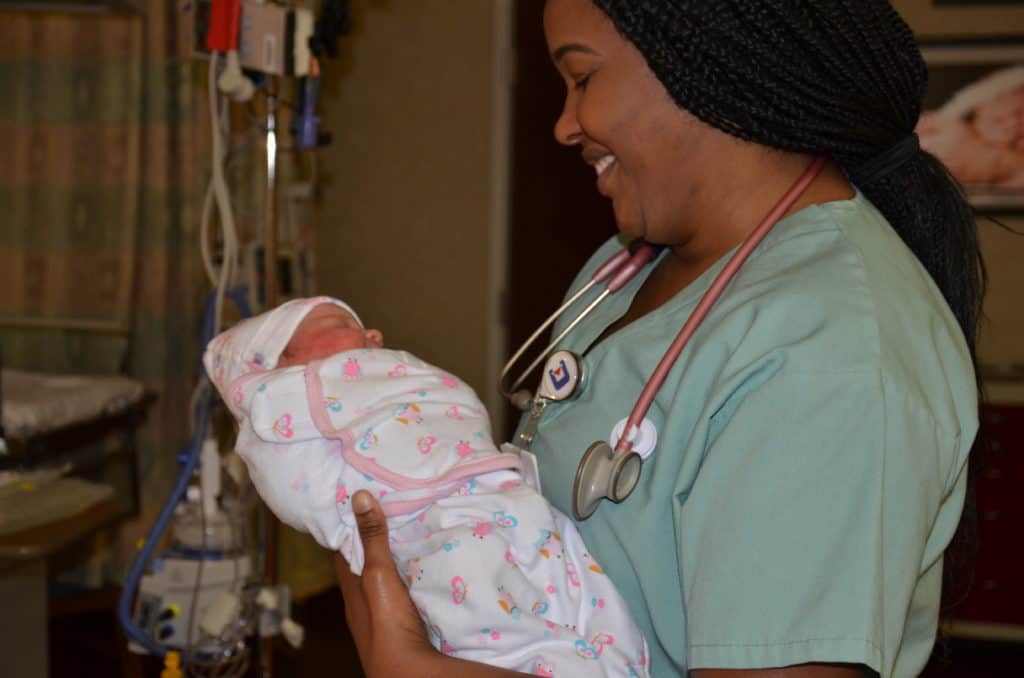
<point x="272" y="39"/>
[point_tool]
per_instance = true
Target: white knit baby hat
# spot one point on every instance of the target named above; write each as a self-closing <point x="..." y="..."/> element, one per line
<point x="256" y="343"/>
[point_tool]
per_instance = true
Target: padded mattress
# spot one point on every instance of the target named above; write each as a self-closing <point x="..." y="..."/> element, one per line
<point x="37" y="403"/>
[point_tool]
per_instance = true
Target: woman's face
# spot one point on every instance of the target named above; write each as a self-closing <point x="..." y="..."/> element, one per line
<point x="651" y="157"/>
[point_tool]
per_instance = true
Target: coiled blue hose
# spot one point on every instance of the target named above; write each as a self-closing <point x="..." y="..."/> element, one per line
<point x="204" y="405"/>
<point x="124" y="605"/>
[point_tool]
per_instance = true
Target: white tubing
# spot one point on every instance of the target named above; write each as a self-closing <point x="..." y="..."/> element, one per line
<point x="220" y="195"/>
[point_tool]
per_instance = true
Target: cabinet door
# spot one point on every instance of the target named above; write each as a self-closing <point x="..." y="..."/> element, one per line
<point x="995" y="592"/>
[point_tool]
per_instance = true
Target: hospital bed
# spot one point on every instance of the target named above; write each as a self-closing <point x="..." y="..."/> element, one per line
<point x="68" y="469"/>
<point x="59" y="431"/>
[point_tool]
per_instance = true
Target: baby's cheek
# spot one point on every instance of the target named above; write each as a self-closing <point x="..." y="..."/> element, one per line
<point x="320" y="346"/>
<point x="287" y="361"/>
<point x="327" y="345"/>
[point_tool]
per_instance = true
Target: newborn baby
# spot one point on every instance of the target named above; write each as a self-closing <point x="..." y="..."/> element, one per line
<point x="497" y="574"/>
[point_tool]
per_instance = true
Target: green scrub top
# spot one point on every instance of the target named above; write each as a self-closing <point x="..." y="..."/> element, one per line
<point x="809" y="470"/>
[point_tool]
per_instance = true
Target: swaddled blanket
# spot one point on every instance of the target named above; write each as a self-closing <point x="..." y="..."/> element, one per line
<point x="497" y="574"/>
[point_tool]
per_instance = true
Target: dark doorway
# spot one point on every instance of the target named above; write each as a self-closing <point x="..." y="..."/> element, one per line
<point x="557" y="216"/>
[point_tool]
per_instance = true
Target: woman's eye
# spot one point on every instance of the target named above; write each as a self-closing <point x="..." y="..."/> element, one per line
<point x="581" y="83"/>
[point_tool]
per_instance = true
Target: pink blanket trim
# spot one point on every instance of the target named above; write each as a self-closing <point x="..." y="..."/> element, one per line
<point x="444" y="484"/>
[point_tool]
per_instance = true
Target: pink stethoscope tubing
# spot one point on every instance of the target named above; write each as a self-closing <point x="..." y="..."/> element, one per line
<point x="721" y="281"/>
<point x="612" y="473"/>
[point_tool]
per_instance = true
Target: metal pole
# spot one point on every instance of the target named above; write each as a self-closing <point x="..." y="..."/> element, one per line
<point x="270" y="203"/>
<point x="270" y="296"/>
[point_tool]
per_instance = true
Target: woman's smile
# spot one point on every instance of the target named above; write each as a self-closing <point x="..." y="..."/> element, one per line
<point x="605" y="170"/>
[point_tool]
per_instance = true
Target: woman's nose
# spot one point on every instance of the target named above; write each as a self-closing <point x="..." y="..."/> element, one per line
<point x="567" y="127"/>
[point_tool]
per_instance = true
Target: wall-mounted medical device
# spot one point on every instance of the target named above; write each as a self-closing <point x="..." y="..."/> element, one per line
<point x="269" y="38"/>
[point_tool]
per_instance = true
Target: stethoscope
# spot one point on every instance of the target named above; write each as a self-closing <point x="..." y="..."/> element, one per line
<point x="605" y="472"/>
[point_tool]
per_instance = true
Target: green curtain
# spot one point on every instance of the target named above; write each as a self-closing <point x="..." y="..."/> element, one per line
<point x="101" y="121"/>
<point x="105" y="123"/>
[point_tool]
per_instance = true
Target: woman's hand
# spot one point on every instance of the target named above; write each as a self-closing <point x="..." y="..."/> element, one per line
<point x="389" y="635"/>
<point x="384" y="622"/>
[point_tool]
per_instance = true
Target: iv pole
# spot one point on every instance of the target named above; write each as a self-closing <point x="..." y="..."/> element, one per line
<point x="270" y="289"/>
<point x="270" y="206"/>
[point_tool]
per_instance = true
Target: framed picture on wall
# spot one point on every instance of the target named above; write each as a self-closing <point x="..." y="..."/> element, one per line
<point x="973" y="118"/>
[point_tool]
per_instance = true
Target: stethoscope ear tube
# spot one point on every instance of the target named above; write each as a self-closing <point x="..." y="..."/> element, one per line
<point x="610" y="473"/>
<point x="511" y="393"/>
<point x="613" y="474"/>
<point x="623" y="265"/>
<point x="721" y="281"/>
<point x="521" y="399"/>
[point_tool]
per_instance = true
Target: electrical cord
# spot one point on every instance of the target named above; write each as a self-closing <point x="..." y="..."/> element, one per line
<point x="189" y="633"/>
<point x="238" y="296"/>
<point x="217" y="193"/>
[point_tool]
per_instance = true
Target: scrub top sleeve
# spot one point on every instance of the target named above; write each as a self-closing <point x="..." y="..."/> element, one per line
<point x="783" y="534"/>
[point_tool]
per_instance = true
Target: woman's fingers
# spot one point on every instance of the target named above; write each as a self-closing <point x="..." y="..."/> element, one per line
<point x="351" y="587"/>
<point x="357" y="615"/>
<point x="381" y="584"/>
<point x="384" y="622"/>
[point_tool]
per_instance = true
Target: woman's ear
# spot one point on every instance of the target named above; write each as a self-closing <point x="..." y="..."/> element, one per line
<point x="375" y="338"/>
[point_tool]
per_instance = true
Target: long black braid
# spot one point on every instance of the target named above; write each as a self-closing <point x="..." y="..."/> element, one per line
<point x="842" y="78"/>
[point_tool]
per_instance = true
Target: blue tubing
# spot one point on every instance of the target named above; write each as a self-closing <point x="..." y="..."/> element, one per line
<point x="202" y="419"/>
<point x="124" y="605"/>
<point x="202" y="414"/>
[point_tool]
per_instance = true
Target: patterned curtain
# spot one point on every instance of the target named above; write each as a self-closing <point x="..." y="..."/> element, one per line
<point x="101" y="122"/>
<point x="105" y="125"/>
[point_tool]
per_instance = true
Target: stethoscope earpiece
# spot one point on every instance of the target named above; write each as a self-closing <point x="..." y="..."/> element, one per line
<point x="521" y="400"/>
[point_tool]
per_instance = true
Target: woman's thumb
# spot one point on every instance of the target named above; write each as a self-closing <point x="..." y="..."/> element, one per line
<point x="373" y="528"/>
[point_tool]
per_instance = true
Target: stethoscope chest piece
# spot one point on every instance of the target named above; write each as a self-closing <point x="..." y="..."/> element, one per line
<point x="563" y="376"/>
<point x="644" y="440"/>
<point x="603" y="473"/>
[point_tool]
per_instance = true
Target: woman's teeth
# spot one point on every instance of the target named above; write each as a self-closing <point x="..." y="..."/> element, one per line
<point x="603" y="164"/>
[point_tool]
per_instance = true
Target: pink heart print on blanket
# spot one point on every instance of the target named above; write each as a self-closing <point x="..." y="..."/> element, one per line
<point x="378" y="407"/>
<point x="505" y="578"/>
<point x="283" y="426"/>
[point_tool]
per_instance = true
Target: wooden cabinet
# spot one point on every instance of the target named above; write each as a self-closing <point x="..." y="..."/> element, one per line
<point x="994" y="603"/>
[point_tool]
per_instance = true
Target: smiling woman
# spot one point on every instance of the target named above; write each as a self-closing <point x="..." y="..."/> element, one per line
<point x="696" y="118"/>
<point x="627" y="126"/>
<point x="813" y="438"/>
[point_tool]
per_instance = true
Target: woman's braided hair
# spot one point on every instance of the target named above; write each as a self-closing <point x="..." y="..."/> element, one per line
<point x="841" y="78"/>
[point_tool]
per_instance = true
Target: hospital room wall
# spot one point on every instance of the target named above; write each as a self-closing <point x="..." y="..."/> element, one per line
<point x="412" y="220"/>
<point x="1001" y="340"/>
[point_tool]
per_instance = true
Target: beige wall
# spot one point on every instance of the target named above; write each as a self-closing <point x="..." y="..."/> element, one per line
<point x="411" y="225"/>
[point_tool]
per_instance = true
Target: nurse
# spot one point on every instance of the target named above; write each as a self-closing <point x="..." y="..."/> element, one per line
<point x="813" y="438"/>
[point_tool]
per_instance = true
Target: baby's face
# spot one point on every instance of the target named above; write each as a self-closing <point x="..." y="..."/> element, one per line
<point x="326" y="330"/>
